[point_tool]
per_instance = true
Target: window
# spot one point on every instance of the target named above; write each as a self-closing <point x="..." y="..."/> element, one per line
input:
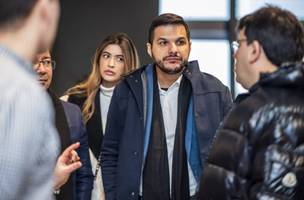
<point x="246" y="6"/>
<point x="213" y="57"/>
<point x="197" y="9"/>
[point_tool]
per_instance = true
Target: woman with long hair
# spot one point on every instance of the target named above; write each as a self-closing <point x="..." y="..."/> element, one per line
<point x="115" y="56"/>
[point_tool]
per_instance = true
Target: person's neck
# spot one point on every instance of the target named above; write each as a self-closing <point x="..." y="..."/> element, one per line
<point x="21" y="42"/>
<point x="262" y="66"/>
<point x="107" y="88"/>
<point x="165" y="80"/>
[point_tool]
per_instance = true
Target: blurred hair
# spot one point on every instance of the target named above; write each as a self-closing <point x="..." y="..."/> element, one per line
<point x="13" y="11"/>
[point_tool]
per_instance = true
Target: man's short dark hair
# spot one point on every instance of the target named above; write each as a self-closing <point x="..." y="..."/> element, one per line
<point x="167" y="19"/>
<point x="278" y="31"/>
<point x="12" y="11"/>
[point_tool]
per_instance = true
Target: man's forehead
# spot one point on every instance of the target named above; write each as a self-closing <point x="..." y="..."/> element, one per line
<point x="170" y="33"/>
<point x="171" y="30"/>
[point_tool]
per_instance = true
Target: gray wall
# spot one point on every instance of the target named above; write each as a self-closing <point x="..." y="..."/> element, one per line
<point x="84" y="24"/>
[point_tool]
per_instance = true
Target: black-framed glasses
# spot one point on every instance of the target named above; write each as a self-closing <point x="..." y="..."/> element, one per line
<point x="45" y="63"/>
<point x="236" y="44"/>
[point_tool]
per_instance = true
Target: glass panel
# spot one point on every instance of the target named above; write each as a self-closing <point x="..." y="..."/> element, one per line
<point x="197" y="9"/>
<point x="213" y="57"/>
<point x="244" y="7"/>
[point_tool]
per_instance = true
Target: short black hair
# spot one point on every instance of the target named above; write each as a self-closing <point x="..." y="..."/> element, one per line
<point x="167" y="19"/>
<point x="14" y="10"/>
<point x="279" y="32"/>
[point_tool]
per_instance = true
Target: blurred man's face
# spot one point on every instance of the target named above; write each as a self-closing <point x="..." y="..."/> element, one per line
<point x="43" y="66"/>
<point x="49" y="23"/>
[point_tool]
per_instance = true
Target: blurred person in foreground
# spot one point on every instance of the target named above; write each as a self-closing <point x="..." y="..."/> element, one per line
<point x="29" y="140"/>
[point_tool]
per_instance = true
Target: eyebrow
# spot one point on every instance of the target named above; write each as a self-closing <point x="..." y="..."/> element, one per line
<point x="112" y="54"/>
<point x="45" y="57"/>
<point x="179" y="38"/>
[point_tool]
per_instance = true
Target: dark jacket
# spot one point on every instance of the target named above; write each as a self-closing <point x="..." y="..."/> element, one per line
<point x="81" y="179"/>
<point x="94" y="125"/>
<point x="258" y="152"/>
<point x="122" y="152"/>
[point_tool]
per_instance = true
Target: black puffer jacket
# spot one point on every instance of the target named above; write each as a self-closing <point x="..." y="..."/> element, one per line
<point x="258" y="152"/>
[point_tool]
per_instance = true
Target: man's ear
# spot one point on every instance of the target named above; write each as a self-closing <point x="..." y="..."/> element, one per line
<point x="255" y="51"/>
<point x="149" y="48"/>
<point x="44" y="10"/>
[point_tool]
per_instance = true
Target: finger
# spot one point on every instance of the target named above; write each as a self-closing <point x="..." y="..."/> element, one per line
<point x="71" y="148"/>
<point x="73" y="166"/>
<point x="74" y="156"/>
<point x="66" y="154"/>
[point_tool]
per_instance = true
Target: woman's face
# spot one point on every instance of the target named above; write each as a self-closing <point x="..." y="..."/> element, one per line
<point x="111" y="65"/>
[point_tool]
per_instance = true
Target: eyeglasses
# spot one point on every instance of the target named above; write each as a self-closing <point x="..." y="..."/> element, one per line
<point x="236" y="44"/>
<point x="45" y="63"/>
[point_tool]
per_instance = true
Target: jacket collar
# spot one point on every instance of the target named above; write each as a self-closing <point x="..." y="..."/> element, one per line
<point x="134" y="80"/>
<point x="288" y="74"/>
<point x="200" y="82"/>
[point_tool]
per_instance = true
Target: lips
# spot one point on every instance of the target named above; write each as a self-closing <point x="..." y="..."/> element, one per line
<point x="42" y="78"/>
<point x="172" y="59"/>
<point x="109" y="72"/>
<point x="42" y="81"/>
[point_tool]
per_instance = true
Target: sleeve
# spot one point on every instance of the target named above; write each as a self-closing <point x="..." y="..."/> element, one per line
<point x="47" y="149"/>
<point x="30" y="145"/>
<point x="84" y="175"/>
<point x="110" y="147"/>
<point x="226" y="167"/>
<point x="227" y="101"/>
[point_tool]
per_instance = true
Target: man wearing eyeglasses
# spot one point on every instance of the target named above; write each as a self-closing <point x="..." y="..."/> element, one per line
<point x="258" y="151"/>
<point x="68" y="121"/>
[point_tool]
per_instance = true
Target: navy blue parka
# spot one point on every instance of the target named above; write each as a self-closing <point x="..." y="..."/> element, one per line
<point x="123" y="144"/>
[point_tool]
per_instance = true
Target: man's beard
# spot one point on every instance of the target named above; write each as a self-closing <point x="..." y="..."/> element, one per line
<point x="178" y="69"/>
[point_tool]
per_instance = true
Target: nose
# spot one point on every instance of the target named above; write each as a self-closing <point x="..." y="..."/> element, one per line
<point x="40" y="68"/>
<point x="173" y="48"/>
<point x="111" y="62"/>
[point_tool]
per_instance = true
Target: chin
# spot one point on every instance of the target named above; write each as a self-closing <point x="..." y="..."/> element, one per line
<point x="173" y="69"/>
<point x="110" y="80"/>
